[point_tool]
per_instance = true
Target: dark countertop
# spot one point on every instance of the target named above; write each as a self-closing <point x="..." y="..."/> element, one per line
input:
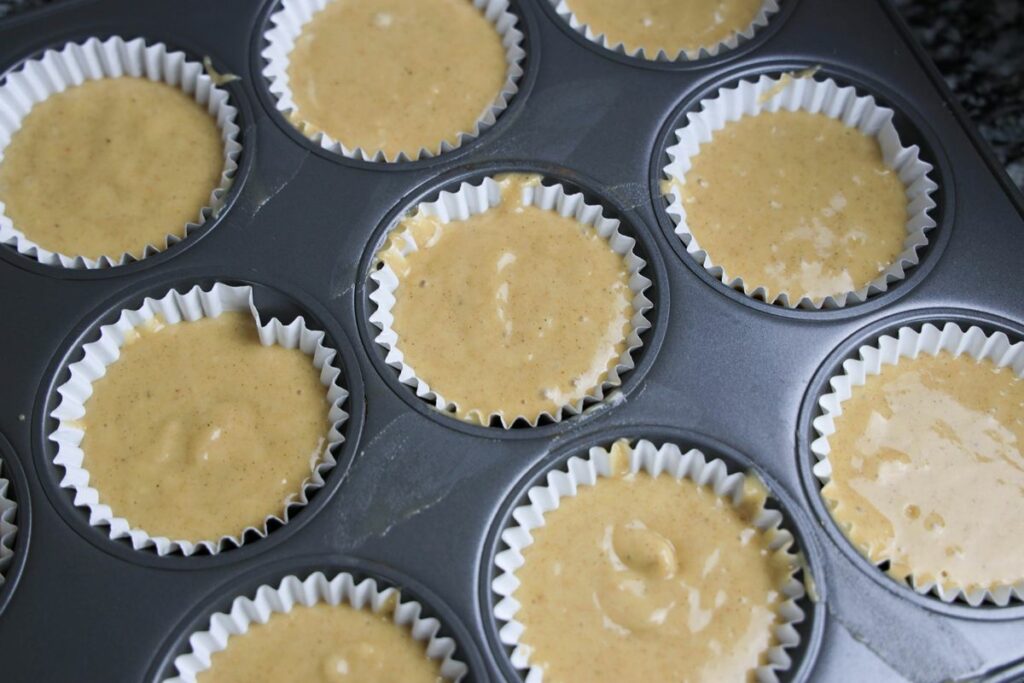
<point x="978" y="46"/>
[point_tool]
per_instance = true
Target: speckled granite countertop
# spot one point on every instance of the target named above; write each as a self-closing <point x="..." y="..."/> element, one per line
<point x="978" y="46"/>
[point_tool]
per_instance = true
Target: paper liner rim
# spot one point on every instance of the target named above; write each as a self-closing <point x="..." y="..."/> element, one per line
<point x="194" y="304"/>
<point x="564" y="480"/>
<point x="8" y="525"/>
<point x="91" y="59"/>
<point x="909" y="342"/>
<point x="805" y="93"/>
<point x="316" y="588"/>
<point x="279" y="37"/>
<point x="683" y="55"/>
<point x="476" y="198"/>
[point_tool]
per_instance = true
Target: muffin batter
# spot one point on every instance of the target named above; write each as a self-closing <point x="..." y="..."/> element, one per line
<point x="795" y="202"/>
<point x="324" y="644"/>
<point x="110" y="166"/>
<point x="198" y="431"/>
<point x="396" y="75"/>
<point x="642" y="578"/>
<point x="669" y="25"/>
<point x="928" y="470"/>
<point x="512" y="312"/>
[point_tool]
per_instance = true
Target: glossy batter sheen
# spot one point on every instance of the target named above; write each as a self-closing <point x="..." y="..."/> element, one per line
<point x="324" y="644"/>
<point x="110" y="166"/>
<point x="928" y="470"/>
<point x="512" y="312"/>
<point x="669" y="25"/>
<point x="795" y="202"/>
<point x="642" y="578"/>
<point x="396" y="75"/>
<point x="198" y="431"/>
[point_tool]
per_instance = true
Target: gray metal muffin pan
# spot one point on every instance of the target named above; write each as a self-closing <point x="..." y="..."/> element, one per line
<point x="418" y="499"/>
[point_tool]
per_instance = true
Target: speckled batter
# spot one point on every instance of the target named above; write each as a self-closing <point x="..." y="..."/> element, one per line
<point x="513" y="312"/>
<point x="795" y="202"/>
<point x="396" y="75"/>
<point x="111" y="166"/>
<point x="642" y="578"/>
<point x="669" y="25"/>
<point x="324" y="644"/>
<point x="928" y="470"/>
<point x="198" y="431"/>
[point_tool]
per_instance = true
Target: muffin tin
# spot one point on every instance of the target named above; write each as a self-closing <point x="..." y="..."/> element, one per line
<point x="418" y="499"/>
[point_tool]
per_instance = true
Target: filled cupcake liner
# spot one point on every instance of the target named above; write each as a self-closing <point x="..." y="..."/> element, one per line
<point x="76" y="63"/>
<point x="8" y="526"/>
<point x="176" y="307"/>
<point x="286" y="25"/>
<point x="804" y="93"/>
<point x="668" y="460"/>
<point x="768" y="7"/>
<point x="470" y="200"/>
<point x="292" y="591"/>
<point x="889" y="350"/>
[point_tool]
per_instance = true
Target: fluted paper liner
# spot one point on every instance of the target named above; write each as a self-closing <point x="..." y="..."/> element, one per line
<point x="76" y="63"/>
<point x="8" y="528"/>
<point x="470" y="200"/>
<point x="670" y="461"/>
<point x="889" y="350"/>
<point x="286" y="25"/>
<point x="292" y="591"/>
<point x="176" y="307"/>
<point x="804" y="93"/>
<point x="768" y="7"/>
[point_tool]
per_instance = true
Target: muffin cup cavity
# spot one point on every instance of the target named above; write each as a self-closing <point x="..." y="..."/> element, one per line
<point x="890" y="349"/>
<point x="176" y="307"/>
<point x="94" y="59"/>
<point x="8" y="526"/>
<point x="802" y="92"/>
<point x="317" y="588"/>
<point x="563" y="8"/>
<point x="285" y="26"/>
<point x="666" y="460"/>
<point x="474" y="199"/>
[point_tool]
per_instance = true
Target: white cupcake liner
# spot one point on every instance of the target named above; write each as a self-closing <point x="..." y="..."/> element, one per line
<point x="8" y="527"/>
<point x="76" y="63"/>
<point x="343" y="588"/>
<point x="910" y="343"/>
<point x="176" y="307"/>
<point x="668" y="460"/>
<point x="470" y="200"/>
<point x="803" y="93"/>
<point x="768" y="7"/>
<point x="286" y="25"/>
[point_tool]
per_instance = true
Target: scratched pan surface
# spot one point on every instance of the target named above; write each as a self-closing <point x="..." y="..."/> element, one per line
<point x="419" y="497"/>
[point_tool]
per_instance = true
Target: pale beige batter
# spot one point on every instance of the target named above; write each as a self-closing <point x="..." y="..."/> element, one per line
<point x="513" y="312"/>
<point x="396" y="75"/>
<point x="669" y="25"/>
<point x="324" y="644"/>
<point x="642" y="578"/>
<point x="795" y="202"/>
<point x="928" y="471"/>
<point x="110" y="166"/>
<point x="198" y="431"/>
